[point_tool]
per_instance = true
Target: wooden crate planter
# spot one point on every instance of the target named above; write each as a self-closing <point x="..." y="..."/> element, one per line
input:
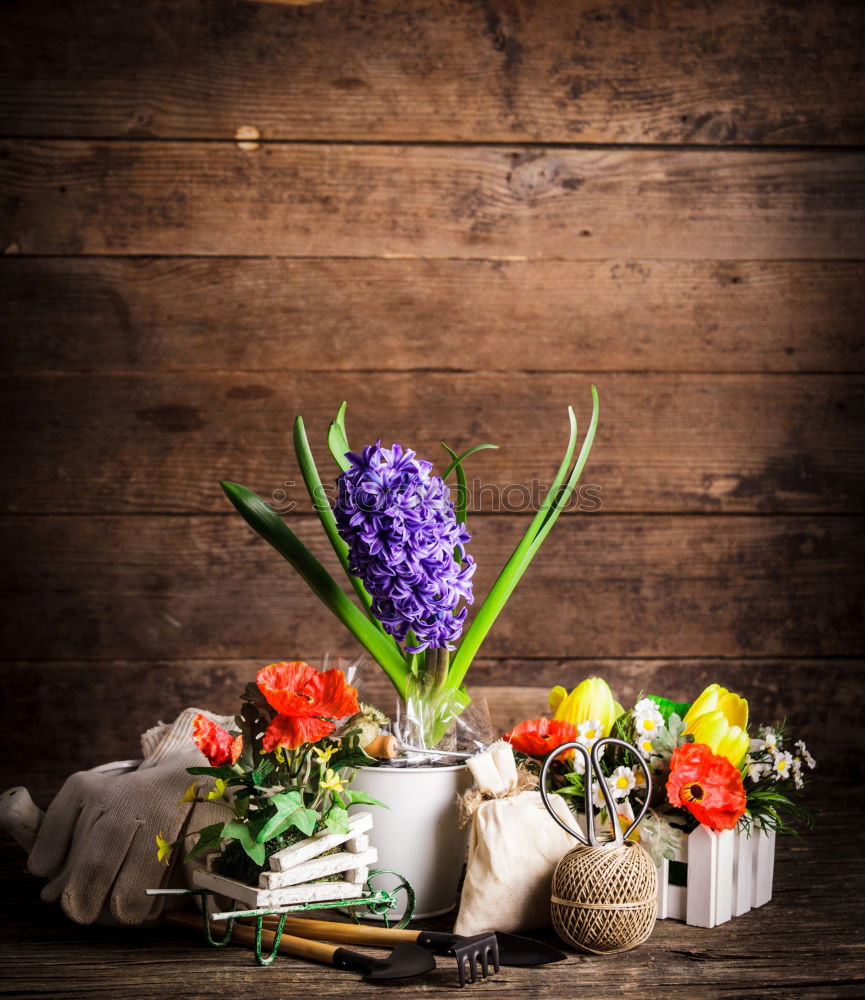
<point x="716" y="876"/>
<point x="294" y="870"/>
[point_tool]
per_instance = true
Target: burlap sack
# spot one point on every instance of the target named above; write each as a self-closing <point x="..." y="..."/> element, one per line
<point x="514" y="847"/>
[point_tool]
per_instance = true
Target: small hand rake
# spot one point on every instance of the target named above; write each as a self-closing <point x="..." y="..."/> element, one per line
<point x="474" y="955"/>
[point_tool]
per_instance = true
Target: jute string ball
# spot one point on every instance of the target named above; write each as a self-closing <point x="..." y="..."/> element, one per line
<point x="604" y="892"/>
<point x="604" y="899"/>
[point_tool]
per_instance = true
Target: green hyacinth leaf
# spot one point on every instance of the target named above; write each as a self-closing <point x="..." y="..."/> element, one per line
<point x="267" y="523"/>
<point x="337" y="439"/>
<point x="548" y="512"/>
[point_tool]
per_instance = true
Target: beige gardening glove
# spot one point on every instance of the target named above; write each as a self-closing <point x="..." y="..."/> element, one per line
<point x="97" y="843"/>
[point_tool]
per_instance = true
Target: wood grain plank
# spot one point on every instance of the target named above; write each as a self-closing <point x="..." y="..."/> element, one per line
<point x="616" y="586"/>
<point x="589" y="71"/>
<point x="124" y="197"/>
<point x="69" y="702"/>
<point x="109" y="314"/>
<point x="666" y="443"/>
<point x="817" y="890"/>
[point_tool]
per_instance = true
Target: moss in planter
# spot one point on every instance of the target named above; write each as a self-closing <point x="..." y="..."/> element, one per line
<point x="235" y="863"/>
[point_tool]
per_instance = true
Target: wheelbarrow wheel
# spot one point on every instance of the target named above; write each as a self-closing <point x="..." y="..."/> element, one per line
<point x="385" y="892"/>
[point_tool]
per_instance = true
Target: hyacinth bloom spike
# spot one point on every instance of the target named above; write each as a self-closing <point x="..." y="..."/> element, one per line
<point x="405" y="543"/>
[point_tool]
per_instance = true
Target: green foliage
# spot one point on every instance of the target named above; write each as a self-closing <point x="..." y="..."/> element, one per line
<point x="667" y="708"/>
<point x="336" y="820"/>
<point x="239" y="831"/>
<point x="775" y="810"/>
<point x="354" y="798"/>
<point x="289" y="811"/>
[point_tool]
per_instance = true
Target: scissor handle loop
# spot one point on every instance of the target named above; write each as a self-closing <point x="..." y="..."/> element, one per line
<point x="543" y="787"/>
<point x="594" y="773"/>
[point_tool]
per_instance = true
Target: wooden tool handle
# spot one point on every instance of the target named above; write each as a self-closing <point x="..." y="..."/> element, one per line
<point x="288" y="945"/>
<point x="343" y="933"/>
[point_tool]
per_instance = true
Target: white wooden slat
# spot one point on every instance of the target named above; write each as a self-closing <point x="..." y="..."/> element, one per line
<point x="663" y="890"/>
<point x="743" y="860"/>
<point x="702" y="883"/>
<point x="725" y="840"/>
<point x="764" y="865"/>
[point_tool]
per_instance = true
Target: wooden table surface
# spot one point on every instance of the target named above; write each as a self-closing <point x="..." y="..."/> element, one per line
<point x="808" y="941"/>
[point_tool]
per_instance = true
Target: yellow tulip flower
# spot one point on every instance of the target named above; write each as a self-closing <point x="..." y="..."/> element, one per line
<point x="713" y="729"/>
<point x="718" y="699"/>
<point x="591" y="700"/>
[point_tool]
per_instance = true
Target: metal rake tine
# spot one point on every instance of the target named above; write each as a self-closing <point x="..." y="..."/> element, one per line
<point x="484" y="949"/>
<point x="491" y="953"/>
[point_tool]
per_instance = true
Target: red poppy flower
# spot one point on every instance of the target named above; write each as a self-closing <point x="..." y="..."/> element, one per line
<point x="707" y="785"/>
<point x="307" y="701"/>
<point x="214" y="742"/>
<point x="538" y="737"/>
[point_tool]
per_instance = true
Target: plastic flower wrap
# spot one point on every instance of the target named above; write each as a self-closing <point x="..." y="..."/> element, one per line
<point x="400" y="537"/>
<point x="706" y="769"/>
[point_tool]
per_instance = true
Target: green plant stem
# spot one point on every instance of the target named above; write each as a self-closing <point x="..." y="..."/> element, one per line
<point x="540" y="527"/>
<point x="315" y="488"/>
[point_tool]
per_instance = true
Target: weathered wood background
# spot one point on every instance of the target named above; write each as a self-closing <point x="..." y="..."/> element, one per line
<point x="455" y="215"/>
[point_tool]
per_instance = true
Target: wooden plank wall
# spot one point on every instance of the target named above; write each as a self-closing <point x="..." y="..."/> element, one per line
<point x="456" y="215"/>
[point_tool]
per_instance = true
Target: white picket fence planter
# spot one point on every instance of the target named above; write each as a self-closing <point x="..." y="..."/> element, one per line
<point x="716" y="876"/>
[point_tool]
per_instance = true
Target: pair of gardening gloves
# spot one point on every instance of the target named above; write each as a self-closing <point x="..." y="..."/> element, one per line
<point x="97" y="843"/>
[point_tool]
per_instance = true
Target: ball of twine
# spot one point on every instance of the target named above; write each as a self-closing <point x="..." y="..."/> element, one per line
<point x="605" y="899"/>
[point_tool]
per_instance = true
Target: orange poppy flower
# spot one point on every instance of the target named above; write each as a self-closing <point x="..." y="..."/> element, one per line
<point x="307" y="700"/>
<point x="707" y="785"/>
<point x="538" y="737"/>
<point x="216" y="743"/>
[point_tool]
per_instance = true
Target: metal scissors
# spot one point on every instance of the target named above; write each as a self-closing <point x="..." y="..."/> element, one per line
<point x="594" y="773"/>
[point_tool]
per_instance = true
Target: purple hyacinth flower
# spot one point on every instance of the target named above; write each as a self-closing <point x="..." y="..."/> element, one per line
<point x="399" y="524"/>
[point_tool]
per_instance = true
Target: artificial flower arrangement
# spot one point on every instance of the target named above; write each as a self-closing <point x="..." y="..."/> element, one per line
<point x="401" y="541"/>
<point x="283" y="773"/>
<point x="706" y="769"/>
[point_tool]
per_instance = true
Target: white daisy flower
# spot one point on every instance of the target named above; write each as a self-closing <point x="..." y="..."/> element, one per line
<point x="796" y="768"/>
<point x="644" y="745"/>
<point x="783" y="765"/>
<point x="643" y="706"/>
<point x="579" y="763"/>
<point x="770" y="740"/>
<point x="598" y="795"/>
<point x="622" y="781"/>
<point x="648" y="721"/>
<point x="589" y="732"/>
<point x="639" y="778"/>
<point x="756" y="770"/>
<point x="802" y="750"/>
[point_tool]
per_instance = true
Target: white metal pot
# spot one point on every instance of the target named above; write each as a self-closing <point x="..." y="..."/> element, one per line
<point x="418" y="836"/>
